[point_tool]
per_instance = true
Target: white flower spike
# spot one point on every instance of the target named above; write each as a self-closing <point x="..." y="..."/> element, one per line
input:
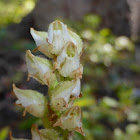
<point x="62" y="75"/>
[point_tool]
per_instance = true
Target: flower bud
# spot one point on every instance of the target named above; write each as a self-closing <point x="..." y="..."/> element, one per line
<point x="71" y="120"/>
<point x="40" y="68"/>
<point x="60" y="95"/>
<point x="40" y="39"/>
<point x="58" y="36"/>
<point x="44" y="134"/>
<point x="33" y="102"/>
<point x="68" y="61"/>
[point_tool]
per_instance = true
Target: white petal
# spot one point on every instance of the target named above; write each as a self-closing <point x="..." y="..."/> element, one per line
<point x="77" y="41"/>
<point x="50" y="34"/>
<point x="41" y="42"/>
<point x="34" y="102"/>
<point x="28" y="97"/>
<point x="58" y="36"/>
<point x="66" y="35"/>
<point x="38" y="67"/>
<point x="76" y="90"/>
<point x="58" y="41"/>
<point x="39" y="37"/>
<point x="63" y="55"/>
<point x="44" y="64"/>
<point x="69" y="66"/>
<point x="30" y="63"/>
<point x="68" y="59"/>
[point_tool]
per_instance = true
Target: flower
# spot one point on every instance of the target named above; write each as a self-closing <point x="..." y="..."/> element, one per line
<point x="33" y="102"/>
<point x="63" y="95"/>
<point x="40" y="39"/>
<point x="40" y="68"/>
<point x="58" y="35"/>
<point x="71" y="120"/>
<point x="68" y="61"/>
<point x="60" y="95"/>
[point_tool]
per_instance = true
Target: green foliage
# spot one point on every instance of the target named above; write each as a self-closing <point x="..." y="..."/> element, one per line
<point x="27" y="123"/>
<point x="14" y="10"/>
<point x="4" y="133"/>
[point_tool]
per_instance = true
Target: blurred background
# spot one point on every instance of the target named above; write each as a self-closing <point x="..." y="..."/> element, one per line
<point x="110" y="30"/>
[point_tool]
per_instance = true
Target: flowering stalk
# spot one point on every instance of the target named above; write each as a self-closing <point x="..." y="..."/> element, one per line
<point x="62" y="75"/>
